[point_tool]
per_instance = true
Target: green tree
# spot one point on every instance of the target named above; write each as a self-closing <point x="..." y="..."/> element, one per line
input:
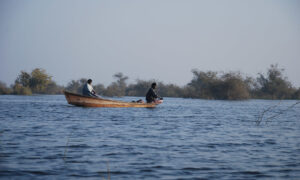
<point x="76" y="86"/>
<point x="23" y="79"/>
<point x="4" y="89"/>
<point x="275" y="85"/>
<point x="19" y="89"/>
<point x="117" y="88"/>
<point x="203" y="84"/>
<point x="99" y="88"/>
<point x="169" y="90"/>
<point x="53" y="88"/>
<point x="189" y="91"/>
<point x="296" y="94"/>
<point x="140" y="88"/>
<point x="232" y="87"/>
<point x="39" y="80"/>
<point x="209" y="85"/>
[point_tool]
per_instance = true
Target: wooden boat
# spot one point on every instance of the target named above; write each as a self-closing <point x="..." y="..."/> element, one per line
<point x="87" y="101"/>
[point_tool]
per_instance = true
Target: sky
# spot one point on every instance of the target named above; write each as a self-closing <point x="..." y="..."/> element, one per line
<point x="150" y="39"/>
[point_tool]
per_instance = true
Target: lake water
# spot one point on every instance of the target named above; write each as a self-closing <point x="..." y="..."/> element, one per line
<point x="42" y="137"/>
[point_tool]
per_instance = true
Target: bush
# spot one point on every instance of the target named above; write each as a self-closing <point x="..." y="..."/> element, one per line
<point x="117" y="88"/>
<point x="208" y="85"/>
<point x="76" y="86"/>
<point x="99" y="88"/>
<point x="19" y="89"/>
<point x="274" y="85"/>
<point x="169" y="90"/>
<point x="53" y="88"/>
<point x="233" y="87"/>
<point x="296" y="94"/>
<point x="140" y="88"/>
<point x="204" y="84"/>
<point x="4" y="89"/>
<point x="38" y="81"/>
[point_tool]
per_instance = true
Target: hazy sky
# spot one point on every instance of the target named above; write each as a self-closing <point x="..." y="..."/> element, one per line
<point x="151" y="39"/>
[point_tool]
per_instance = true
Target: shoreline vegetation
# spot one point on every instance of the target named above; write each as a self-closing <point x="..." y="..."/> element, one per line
<point x="204" y="85"/>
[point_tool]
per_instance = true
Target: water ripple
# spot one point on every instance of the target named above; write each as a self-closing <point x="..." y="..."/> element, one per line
<point x="42" y="137"/>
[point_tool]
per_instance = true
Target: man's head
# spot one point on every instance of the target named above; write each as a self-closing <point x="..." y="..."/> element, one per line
<point x="153" y="85"/>
<point x="89" y="81"/>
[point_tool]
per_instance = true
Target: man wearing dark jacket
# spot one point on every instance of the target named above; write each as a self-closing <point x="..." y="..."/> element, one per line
<point x="151" y="94"/>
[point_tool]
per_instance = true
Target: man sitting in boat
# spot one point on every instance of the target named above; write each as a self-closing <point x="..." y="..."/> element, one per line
<point x="88" y="89"/>
<point x="151" y="94"/>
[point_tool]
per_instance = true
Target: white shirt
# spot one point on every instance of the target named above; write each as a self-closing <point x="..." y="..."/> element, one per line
<point x="90" y="87"/>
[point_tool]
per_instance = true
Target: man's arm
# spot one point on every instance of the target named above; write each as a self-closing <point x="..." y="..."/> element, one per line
<point x="154" y="94"/>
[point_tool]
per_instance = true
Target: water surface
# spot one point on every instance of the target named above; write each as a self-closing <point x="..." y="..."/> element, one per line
<point x="42" y="137"/>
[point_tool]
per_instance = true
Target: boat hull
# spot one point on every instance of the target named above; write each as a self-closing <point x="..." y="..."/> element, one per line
<point x="86" y="101"/>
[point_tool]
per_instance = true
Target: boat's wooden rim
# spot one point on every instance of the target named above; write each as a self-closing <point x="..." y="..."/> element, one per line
<point x="90" y="97"/>
<point x="122" y="103"/>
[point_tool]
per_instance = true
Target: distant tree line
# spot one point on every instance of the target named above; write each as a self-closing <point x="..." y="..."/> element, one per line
<point x="204" y="85"/>
<point x="36" y="82"/>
